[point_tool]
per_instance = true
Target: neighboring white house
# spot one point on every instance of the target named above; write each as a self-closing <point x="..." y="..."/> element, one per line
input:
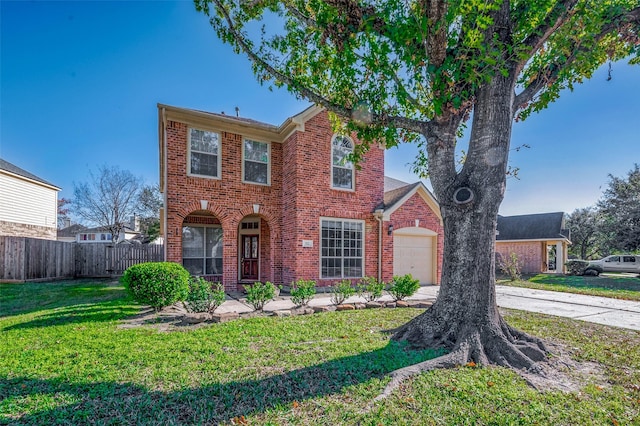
<point x="101" y="234"/>
<point x="28" y="204"/>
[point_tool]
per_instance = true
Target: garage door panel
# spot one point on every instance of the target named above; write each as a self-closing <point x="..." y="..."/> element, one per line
<point x="413" y="255"/>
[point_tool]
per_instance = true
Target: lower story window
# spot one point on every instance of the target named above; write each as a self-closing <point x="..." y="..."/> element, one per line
<point x="202" y="250"/>
<point x="341" y="248"/>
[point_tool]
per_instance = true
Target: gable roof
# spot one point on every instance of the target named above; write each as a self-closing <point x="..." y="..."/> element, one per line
<point x="17" y="171"/>
<point x="541" y="226"/>
<point x="397" y="192"/>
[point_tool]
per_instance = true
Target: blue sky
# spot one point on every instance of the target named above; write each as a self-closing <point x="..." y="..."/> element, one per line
<point x="80" y="82"/>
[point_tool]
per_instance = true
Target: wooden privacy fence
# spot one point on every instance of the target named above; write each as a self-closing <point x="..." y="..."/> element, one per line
<point x="27" y="259"/>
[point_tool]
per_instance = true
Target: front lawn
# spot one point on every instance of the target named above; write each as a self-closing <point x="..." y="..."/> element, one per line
<point x="64" y="360"/>
<point x="617" y="286"/>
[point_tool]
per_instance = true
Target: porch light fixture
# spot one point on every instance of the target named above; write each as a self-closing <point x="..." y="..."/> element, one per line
<point x="204" y="204"/>
<point x="390" y="231"/>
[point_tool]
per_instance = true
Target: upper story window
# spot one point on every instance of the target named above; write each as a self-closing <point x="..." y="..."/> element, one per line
<point x="341" y="167"/>
<point x="204" y="153"/>
<point x="256" y="162"/>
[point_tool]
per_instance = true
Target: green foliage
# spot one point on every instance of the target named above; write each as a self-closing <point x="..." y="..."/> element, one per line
<point x="586" y="227"/>
<point x="258" y="294"/>
<point x="157" y="284"/>
<point x="342" y="291"/>
<point x="620" y="209"/>
<point x="510" y="266"/>
<point x="576" y="266"/>
<point x="370" y="288"/>
<point x="402" y="287"/>
<point x="302" y="291"/>
<point x="385" y="67"/>
<point x="204" y="296"/>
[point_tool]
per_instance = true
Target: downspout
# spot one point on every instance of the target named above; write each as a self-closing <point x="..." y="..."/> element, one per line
<point x="378" y="215"/>
<point x="163" y="188"/>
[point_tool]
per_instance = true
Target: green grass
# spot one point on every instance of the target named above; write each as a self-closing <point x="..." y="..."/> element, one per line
<point x="606" y="285"/>
<point x="64" y="360"/>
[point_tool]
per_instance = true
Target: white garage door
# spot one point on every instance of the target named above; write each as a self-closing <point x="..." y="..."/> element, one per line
<point x="413" y="253"/>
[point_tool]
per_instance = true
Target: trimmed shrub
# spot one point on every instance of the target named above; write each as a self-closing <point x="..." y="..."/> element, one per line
<point x="302" y="291"/>
<point x="370" y="288"/>
<point x="342" y="291"/>
<point x="258" y="294"/>
<point x="403" y="287"/>
<point x="203" y="295"/>
<point x="158" y="284"/>
<point x="510" y="266"/>
<point x="576" y="266"/>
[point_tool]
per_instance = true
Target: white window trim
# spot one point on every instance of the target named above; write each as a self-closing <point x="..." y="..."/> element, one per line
<point x="364" y="241"/>
<point x="244" y="139"/>
<point x="219" y="177"/>
<point x="353" y="169"/>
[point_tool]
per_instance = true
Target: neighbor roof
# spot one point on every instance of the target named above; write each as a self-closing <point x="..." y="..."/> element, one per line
<point x="71" y="231"/>
<point x="13" y="169"/>
<point x="541" y="226"/>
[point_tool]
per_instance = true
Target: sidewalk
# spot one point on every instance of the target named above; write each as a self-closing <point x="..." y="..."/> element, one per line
<point x="600" y="310"/>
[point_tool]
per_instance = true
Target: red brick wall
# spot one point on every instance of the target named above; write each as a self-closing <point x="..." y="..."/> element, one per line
<point x="530" y="254"/>
<point x="229" y="200"/>
<point x="290" y="208"/>
<point x="307" y="196"/>
<point x="405" y="216"/>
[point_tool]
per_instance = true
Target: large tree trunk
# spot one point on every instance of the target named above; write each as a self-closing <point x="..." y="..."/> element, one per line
<point x="465" y="319"/>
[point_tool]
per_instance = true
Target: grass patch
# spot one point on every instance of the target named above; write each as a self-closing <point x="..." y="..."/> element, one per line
<point x="69" y="363"/>
<point x="606" y="285"/>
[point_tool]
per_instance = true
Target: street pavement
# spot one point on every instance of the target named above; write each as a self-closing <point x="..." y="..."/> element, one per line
<point x="600" y="310"/>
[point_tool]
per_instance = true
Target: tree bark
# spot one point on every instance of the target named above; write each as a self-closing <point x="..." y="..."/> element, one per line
<point x="465" y="319"/>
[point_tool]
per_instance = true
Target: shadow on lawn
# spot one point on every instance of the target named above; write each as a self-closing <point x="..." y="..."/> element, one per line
<point x="98" y="312"/>
<point x="25" y="298"/>
<point x="122" y="403"/>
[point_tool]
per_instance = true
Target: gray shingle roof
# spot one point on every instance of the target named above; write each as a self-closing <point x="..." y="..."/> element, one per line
<point x="532" y="227"/>
<point x="395" y="190"/>
<point x="12" y="168"/>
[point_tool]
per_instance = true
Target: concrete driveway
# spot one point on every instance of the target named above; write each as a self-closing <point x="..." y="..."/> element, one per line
<point x="600" y="310"/>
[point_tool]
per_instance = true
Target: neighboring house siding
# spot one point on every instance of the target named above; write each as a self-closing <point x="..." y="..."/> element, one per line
<point x="415" y="208"/>
<point x="27" y="209"/>
<point x="531" y="255"/>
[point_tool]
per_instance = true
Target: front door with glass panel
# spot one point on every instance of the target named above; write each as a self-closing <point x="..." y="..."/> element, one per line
<point x="250" y="257"/>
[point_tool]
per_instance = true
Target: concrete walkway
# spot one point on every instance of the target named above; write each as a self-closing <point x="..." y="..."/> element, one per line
<point x="600" y="310"/>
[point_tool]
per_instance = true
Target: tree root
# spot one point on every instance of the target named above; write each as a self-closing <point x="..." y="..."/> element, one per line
<point x="490" y="344"/>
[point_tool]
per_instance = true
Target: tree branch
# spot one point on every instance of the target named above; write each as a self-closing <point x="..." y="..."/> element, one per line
<point x="413" y="125"/>
<point x="559" y="15"/>
<point x="550" y="73"/>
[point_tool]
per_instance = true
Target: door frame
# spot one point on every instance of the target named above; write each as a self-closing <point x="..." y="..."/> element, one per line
<point x="249" y="232"/>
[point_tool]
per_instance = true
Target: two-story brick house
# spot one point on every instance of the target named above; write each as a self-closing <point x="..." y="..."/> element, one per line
<point x="247" y="201"/>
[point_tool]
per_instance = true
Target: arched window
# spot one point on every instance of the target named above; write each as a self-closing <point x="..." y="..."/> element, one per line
<point x="341" y="167"/>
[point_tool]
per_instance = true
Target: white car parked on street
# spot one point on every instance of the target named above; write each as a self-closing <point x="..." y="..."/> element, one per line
<point x="616" y="263"/>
